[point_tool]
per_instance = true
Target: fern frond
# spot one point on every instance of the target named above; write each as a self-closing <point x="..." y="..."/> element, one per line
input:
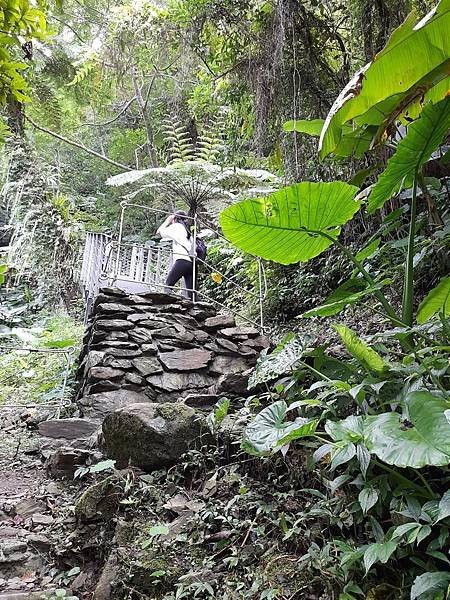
<point x="209" y="144"/>
<point x="179" y="141"/>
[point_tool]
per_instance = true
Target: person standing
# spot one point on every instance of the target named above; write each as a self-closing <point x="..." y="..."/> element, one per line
<point x="176" y="228"/>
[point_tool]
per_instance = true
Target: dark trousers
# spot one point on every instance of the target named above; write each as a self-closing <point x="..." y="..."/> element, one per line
<point x="181" y="268"/>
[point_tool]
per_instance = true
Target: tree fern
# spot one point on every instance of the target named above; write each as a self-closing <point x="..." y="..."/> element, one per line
<point x="179" y="141"/>
<point x="210" y="144"/>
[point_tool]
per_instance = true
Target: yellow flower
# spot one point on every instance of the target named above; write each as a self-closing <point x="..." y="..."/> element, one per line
<point x="216" y="277"/>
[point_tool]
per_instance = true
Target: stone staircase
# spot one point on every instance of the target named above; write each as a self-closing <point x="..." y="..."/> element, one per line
<point x="150" y="365"/>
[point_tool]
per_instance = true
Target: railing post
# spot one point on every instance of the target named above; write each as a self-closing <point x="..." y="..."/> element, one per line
<point x="122" y="214"/>
<point x="194" y="260"/>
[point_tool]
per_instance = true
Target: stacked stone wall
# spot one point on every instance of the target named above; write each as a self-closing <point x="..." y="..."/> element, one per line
<point x="162" y="348"/>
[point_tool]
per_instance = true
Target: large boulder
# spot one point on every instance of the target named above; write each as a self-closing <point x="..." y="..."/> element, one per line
<point x="150" y="436"/>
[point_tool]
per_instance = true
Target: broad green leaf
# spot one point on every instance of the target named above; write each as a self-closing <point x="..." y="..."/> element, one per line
<point x="415" y="59"/>
<point x="350" y="429"/>
<point x="426" y="586"/>
<point x="437" y="301"/>
<point x="406" y="528"/>
<point x="369" y="359"/>
<point x="339" y="300"/>
<point x="444" y="507"/>
<point x="367" y="498"/>
<point x="342" y="455"/>
<point x="313" y="127"/>
<point x="422" y="139"/>
<point x="304" y="428"/>
<point x="281" y="360"/>
<point x="262" y="436"/>
<point x="368" y="250"/>
<point x="291" y="225"/>
<point x="103" y="465"/>
<point x="423" y="439"/>
<point x="381" y="552"/>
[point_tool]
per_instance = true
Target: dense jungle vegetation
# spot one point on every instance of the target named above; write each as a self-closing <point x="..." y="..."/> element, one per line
<point x="314" y="135"/>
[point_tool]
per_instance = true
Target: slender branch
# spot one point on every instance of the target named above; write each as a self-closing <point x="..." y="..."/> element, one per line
<point x="124" y="109"/>
<point x="78" y="145"/>
<point x="76" y="34"/>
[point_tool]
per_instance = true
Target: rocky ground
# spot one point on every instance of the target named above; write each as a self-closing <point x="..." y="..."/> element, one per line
<point x="43" y="547"/>
<point x="192" y="516"/>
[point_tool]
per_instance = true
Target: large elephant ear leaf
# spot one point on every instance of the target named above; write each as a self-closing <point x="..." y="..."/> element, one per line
<point x="269" y="431"/>
<point x="437" y="301"/>
<point x="422" y="139"/>
<point x="369" y="358"/>
<point x="293" y="224"/>
<point x="281" y="360"/>
<point x="421" y="439"/>
<point x="415" y="59"/>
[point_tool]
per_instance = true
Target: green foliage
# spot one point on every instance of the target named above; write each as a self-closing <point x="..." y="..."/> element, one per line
<point x="313" y="127"/>
<point x="436" y="302"/>
<point x="414" y="59"/>
<point x="269" y="432"/>
<point x="350" y="292"/>
<point x="34" y="377"/>
<point x="369" y="359"/>
<point x="18" y="19"/>
<point x="421" y="437"/>
<point x="282" y="360"/>
<point x="423" y="137"/>
<point x="294" y="224"/>
<point x="430" y="585"/>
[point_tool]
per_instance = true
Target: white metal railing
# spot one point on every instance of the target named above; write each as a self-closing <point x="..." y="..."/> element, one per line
<point x="136" y="267"/>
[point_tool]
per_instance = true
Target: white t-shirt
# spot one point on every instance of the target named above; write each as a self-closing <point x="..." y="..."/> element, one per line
<point x="181" y="245"/>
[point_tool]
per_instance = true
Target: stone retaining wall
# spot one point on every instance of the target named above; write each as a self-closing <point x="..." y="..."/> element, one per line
<point x="155" y="347"/>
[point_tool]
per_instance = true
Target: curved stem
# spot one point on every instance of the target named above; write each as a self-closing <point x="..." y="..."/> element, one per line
<point x="408" y="284"/>
<point x="377" y="293"/>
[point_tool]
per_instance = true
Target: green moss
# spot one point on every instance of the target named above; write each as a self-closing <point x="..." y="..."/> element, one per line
<point x="172" y="412"/>
<point x="99" y="500"/>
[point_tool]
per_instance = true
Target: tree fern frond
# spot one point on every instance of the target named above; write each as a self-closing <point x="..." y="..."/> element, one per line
<point x="179" y="141"/>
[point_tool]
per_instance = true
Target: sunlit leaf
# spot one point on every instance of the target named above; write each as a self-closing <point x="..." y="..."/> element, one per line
<point x="312" y="127"/>
<point x="414" y="60"/>
<point x="369" y="358"/>
<point x="291" y="225"/>
<point x="437" y="301"/>
<point x="423" y="137"/>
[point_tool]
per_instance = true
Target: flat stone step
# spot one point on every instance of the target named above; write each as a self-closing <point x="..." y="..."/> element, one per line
<point x="27" y="595"/>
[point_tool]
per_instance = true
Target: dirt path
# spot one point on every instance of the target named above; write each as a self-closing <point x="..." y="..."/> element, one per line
<point x="37" y="525"/>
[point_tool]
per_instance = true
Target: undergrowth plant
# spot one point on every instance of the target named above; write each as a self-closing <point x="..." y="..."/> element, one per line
<point x="379" y="422"/>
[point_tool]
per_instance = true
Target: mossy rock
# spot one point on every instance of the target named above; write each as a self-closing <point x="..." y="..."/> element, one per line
<point x="150" y="436"/>
<point x="156" y="575"/>
<point x="99" y="501"/>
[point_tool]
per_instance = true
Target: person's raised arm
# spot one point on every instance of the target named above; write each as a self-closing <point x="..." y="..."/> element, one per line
<point x="163" y="227"/>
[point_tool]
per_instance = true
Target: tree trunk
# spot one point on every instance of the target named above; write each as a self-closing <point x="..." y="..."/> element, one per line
<point x="148" y="126"/>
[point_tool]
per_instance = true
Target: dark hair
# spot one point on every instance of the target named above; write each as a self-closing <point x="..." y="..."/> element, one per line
<point x="182" y="217"/>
